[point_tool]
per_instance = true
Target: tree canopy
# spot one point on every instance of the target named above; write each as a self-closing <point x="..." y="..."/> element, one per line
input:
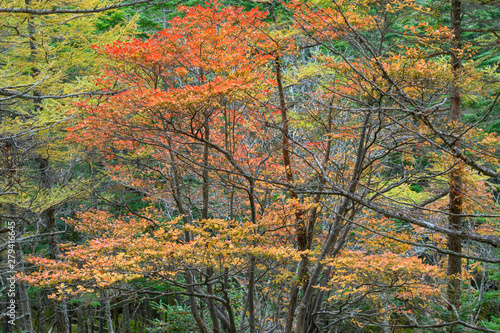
<point x="296" y="166"/>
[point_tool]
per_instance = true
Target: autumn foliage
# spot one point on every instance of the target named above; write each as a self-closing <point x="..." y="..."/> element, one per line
<point x="269" y="183"/>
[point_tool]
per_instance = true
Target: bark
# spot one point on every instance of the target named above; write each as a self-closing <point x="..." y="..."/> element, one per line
<point x="60" y="308"/>
<point x="225" y="325"/>
<point x="90" y="319"/>
<point x="32" y="34"/>
<point x="40" y="318"/>
<point x="61" y="317"/>
<point x="116" y="320"/>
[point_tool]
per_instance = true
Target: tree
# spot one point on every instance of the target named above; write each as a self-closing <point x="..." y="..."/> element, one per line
<point x="191" y="87"/>
<point x="46" y="63"/>
<point x="396" y="88"/>
<point x="306" y="155"/>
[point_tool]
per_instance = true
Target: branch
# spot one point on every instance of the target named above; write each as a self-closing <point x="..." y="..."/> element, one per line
<point x="457" y="322"/>
<point x="431" y="200"/>
<point x="481" y="30"/>
<point x="399" y="214"/>
<point x="9" y="193"/>
<point x="71" y="11"/>
<point x="435" y="248"/>
<point x="469" y="161"/>
<point x="13" y="94"/>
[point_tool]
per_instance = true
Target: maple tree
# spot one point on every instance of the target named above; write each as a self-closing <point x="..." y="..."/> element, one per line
<point x="191" y="90"/>
<point x="399" y="89"/>
<point x="300" y="153"/>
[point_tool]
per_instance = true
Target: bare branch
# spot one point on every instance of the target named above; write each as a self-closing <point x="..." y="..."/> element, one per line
<point x="72" y="11"/>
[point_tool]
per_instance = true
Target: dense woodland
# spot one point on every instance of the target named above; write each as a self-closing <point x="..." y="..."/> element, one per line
<point x="235" y="166"/>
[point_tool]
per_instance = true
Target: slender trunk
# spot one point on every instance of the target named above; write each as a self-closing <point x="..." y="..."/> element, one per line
<point x="107" y="312"/>
<point x="24" y="303"/>
<point x="60" y="308"/>
<point x="204" y="215"/>
<point x="32" y="34"/>
<point x="25" y="307"/>
<point x="251" y="271"/>
<point x="313" y="217"/>
<point x="229" y="309"/>
<point x="176" y="191"/>
<point x="90" y="320"/>
<point x="225" y="325"/>
<point x="192" y="303"/>
<point x="251" y="295"/>
<point x="39" y="315"/>
<point x="101" y="313"/>
<point x="126" y="318"/>
<point x="243" y="316"/>
<point x="205" y="187"/>
<point x="454" y="268"/>
<point x="22" y="289"/>
<point x="80" y="323"/>
<point x="301" y="232"/>
<point x="212" y="308"/>
<point x="306" y="305"/>
<point x="176" y="186"/>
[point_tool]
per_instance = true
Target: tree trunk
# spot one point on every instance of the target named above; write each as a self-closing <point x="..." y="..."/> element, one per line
<point x="212" y="308"/>
<point x="27" y="322"/>
<point x="176" y="191"/>
<point x="192" y="303"/>
<point x="251" y="295"/>
<point x="329" y="249"/>
<point x="454" y="268"/>
<point x="23" y="307"/>
<point x="107" y="312"/>
<point x="301" y="233"/>
<point x="204" y="215"/>
<point x="251" y="270"/>
<point x="126" y="318"/>
<point x="80" y="323"/>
